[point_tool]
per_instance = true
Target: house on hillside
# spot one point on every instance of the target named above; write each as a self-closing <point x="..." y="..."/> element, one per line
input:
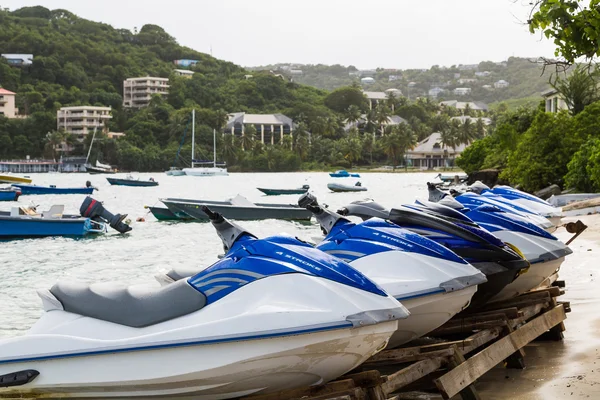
<point x="361" y="123"/>
<point x="554" y="101"/>
<point x="18" y="60"/>
<point x="463" y="118"/>
<point x="137" y="92"/>
<point x="186" y="73"/>
<point x="435" y="92"/>
<point x="462" y="81"/>
<point x="431" y="154"/>
<point x="482" y="74"/>
<point x="367" y="81"/>
<point x="270" y="128"/>
<point x="376" y="97"/>
<point x="461" y="105"/>
<point x="462" y="91"/>
<point x="83" y="120"/>
<point x="7" y="104"/>
<point x="185" y="62"/>
<point x="501" y="84"/>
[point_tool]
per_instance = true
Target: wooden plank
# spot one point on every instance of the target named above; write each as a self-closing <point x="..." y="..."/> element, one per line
<point x="411" y="373"/>
<point x="376" y="393"/>
<point x="525" y="299"/>
<point x="443" y="331"/>
<point x="469" y="392"/>
<point x="510" y="312"/>
<point x="480" y="338"/>
<point x="366" y="378"/>
<point x="465" y="374"/>
<point x="476" y="318"/>
<point x="350" y="394"/>
<point x="332" y="387"/>
<point x="517" y="359"/>
<point x="404" y="357"/>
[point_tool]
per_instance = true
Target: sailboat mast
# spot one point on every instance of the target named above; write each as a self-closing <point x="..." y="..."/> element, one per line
<point x="90" y="149"/>
<point x="215" y="147"/>
<point x="193" y="134"/>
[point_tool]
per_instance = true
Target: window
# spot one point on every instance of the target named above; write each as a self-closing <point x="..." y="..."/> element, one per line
<point x="555" y="106"/>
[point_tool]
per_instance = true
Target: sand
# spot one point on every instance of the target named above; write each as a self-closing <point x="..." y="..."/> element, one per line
<point x="569" y="369"/>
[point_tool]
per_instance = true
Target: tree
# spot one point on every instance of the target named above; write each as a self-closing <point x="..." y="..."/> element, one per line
<point x="392" y="147"/>
<point x="579" y="89"/>
<point x="479" y="128"/>
<point x="574" y="29"/>
<point x="353" y="114"/>
<point x="449" y="138"/>
<point x="382" y="116"/>
<point x="340" y="99"/>
<point x="248" y="137"/>
<point x="408" y="140"/>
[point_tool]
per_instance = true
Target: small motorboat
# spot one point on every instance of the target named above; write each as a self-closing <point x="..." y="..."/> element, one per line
<point x="544" y="251"/>
<point x="100" y="169"/>
<point x="562" y="200"/>
<point x="131" y="181"/>
<point x="279" y="192"/>
<point x="273" y="314"/>
<point x="340" y="187"/>
<point x="13" y="179"/>
<point x="52" y="189"/>
<point x="342" y="173"/>
<point x="164" y="214"/>
<point x="501" y="263"/>
<point x="9" y="194"/>
<point x="432" y="282"/>
<point x="452" y="178"/>
<point x="174" y="171"/>
<point x="238" y="208"/>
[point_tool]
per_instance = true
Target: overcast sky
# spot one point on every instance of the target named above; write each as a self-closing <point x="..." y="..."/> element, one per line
<point x="367" y="34"/>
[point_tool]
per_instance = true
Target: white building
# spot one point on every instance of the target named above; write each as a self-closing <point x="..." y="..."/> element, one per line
<point x="81" y="120"/>
<point x="367" y="81"/>
<point x="501" y="84"/>
<point x="462" y="81"/>
<point x="18" y="60"/>
<point x="7" y="104"/>
<point x="461" y="105"/>
<point x="270" y="128"/>
<point x="463" y="91"/>
<point x="435" y="92"/>
<point x="186" y="73"/>
<point x="137" y="92"/>
<point x="482" y="74"/>
<point x="554" y="101"/>
<point x="430" y="153"/>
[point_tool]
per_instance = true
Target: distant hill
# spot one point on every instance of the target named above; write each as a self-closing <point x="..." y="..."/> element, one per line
<point x="524" y="76"/>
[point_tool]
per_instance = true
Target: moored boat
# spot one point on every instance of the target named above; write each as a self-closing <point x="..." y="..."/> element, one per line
<point x="9" y="194"/>
<point x="342" y="173"/>
<point x="279" y="192"/>
<point x="131" y="181"/>
<point x="174" y="171"/>
<point x="13" y="179"/>
<point x="100" y="169"/>
<point x="35" y="189"/>
<point x="340" y="187"/>
<point x="164" y="214"/>
<point x="238" y="208"/>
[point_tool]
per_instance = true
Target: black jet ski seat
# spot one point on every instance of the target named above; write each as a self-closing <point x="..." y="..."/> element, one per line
<point x="133" y="306"/>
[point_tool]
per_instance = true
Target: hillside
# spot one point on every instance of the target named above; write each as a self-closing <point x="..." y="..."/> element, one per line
<point x="524" y="76"/>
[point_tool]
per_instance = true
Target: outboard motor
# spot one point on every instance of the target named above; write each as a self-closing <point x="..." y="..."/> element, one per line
<point x="94" y="209"/>
<point x="429" y="279"/>
<point x="497" y="260"/>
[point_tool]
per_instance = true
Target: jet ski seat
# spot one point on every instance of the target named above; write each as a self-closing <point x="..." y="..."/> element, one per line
<point x="182" y="273"/>
<point x="130" y="306"/>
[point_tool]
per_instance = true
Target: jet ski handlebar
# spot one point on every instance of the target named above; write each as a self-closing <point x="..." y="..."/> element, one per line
<point x="229" y="232"/>
<point x="327" y="218"/>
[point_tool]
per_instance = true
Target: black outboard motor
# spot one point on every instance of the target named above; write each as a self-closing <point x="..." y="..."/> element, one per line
<point x="94" y="209"/>
<point x="498" y="261"/>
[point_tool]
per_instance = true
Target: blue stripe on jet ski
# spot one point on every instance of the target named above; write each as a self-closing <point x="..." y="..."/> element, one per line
<point x="221" y="339"/>
<point x="421" y="293"/>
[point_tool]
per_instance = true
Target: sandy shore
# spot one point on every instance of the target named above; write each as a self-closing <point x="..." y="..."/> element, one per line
<point x="569" y="369"/>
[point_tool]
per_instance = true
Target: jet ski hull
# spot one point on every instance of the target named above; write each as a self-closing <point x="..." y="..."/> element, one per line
<point x="428" y="313"/>
<point x="497" y="280"/>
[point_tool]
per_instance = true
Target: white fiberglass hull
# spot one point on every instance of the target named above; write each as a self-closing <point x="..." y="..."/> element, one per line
<point x="205" y="171"/>
<point x="428" y="313"/>
<point x="219" y="371"/>
<point x="545" y="210"/>
<point x="281" y="332"/>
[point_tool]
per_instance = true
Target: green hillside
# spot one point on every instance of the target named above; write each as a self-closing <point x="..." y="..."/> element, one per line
<point x="525" y="77"/>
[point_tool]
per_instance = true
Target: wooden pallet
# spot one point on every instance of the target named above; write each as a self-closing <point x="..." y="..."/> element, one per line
<point x="487" y="337"/>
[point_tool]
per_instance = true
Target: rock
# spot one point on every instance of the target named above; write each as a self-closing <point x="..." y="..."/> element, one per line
<point x="545" y="193"/>
<point x="487" y="176"/>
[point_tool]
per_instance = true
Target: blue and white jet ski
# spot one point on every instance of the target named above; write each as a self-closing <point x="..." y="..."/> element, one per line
<point x="472" y="200"/>
<point x="543" y="250"/>
<point x="273" y="314"/>
<point x="427" y="278"/>
<point x="499" y="262"/>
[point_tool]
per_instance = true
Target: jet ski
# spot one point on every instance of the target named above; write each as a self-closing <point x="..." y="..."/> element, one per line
<point x="518" y="199"/>
<point x="427" y="278"/>
<point x="471" y="200"/>
<point x="544" y="251"/>
<point x="499" y="262"/>
<point x="272" y="314"/>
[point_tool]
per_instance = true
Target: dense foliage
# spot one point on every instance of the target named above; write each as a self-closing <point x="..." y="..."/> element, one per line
<point x="80" y="62"/>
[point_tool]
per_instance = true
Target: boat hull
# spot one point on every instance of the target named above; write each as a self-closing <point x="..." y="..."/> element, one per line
<point x="34" y="227"/>
<point x="238" y="212"/>
<point x="280" y="192"/>
<point x="345" y="188"/>
<point x="97" y="171"/>
<point x="130" y="182"/>
<point x="220" y="371"/>
<point x="40" y="190"/>
<point x="205" y="171"/>
<point x="428" y="313"/>
<point x="13" y="179"/>
<point x="164" y="214"/>
<point x="9" y="195"/>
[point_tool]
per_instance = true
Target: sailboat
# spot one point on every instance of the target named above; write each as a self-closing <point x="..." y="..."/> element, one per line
<point x="204" y="171"/>
<point x="99" y="168"/>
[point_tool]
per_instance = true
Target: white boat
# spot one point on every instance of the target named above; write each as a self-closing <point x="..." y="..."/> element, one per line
<point x="340" y="187"/>
<point x="562" y="200"/>
<point x="232" y="330"/>
<point x="204" y="171"/>
<point x="174" y="171"/>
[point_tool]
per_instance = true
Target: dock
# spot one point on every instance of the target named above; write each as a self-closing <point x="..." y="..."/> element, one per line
<point x="451" y="359"/>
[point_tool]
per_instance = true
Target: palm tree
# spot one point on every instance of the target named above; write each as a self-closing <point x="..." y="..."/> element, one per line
<point x="353" y="114"/>
<point x="351" y="149"/>
<point x="332" y="127"/>
<point x="248" y="137"/>
<point x="318" y="125"/>
<point x="479" y="129"/>
<point x="467" y="132"/>
<point x="407" y="138"/>
<point x="258" y="148"/>
<point x="579" y="89"/>
<point x="368" y="145"/>
<point x="392" y="147"/>
<point x="449" y="138"/>
<point x="440" y="122"/>
<point x="382" y="116"/>
<point x="286" y="142"/>
<point x="467" y="110"/>
<point x="371" y="122"/>
<point x="228" y="148"/>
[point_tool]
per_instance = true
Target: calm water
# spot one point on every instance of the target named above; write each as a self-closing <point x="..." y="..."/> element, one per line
<point x="154" y="247"/>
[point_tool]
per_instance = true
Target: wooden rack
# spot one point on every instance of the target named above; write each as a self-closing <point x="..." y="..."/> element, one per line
<point x="465" y="348"/>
